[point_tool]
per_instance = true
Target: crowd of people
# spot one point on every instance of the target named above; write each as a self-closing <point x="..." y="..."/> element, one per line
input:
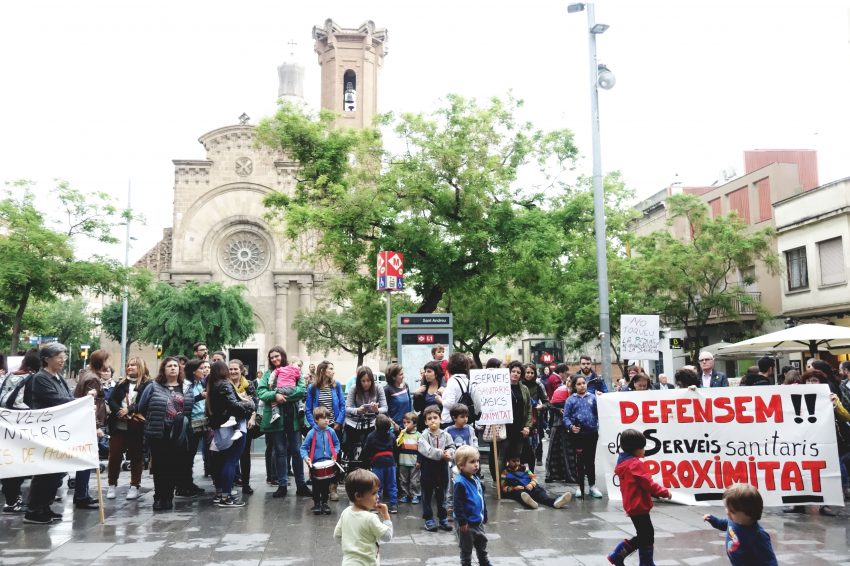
<point x="420" y="444"/>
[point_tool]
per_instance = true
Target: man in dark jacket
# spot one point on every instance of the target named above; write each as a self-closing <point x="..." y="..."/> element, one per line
<point x="48" y="390"/>
<point x="595" y="384"/>
<point x="708" y="376"/>
<point x="765" y="375"/>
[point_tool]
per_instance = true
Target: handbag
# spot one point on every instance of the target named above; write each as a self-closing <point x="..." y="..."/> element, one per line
<point x="179" y="433"/>
<point x="494" y="432"/>
<point x="200" y="425"/>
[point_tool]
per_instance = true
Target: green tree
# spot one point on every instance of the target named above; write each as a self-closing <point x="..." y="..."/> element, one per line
<point x="352" y="319"/>
<point x="139" y="287"/>
<point x="177" y="317"/>
<point x="450" y="200"/>
<point x="137" y="316"/>
<point x="578" y="292"/>
<point x="689" y="280"/>
<point x="38" y="263"/>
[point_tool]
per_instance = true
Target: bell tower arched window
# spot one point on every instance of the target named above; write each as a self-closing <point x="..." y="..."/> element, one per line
<point x="349" y="96"/>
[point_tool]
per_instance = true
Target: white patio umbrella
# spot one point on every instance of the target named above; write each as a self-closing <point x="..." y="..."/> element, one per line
<point x="805" y="337"/>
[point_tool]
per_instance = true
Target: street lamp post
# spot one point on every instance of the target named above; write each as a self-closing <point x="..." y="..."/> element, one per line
<point x="125" y="302"/>
<point x="600" y="76"/>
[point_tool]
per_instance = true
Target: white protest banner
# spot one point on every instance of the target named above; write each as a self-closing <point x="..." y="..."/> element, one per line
<point x="491" y="388"/>
<point x="639" y="336"/>
<point x="45" y="441"/>
<point x="780" y="439"/>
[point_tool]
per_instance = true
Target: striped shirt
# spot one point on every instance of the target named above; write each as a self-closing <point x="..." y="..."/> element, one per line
<point x="326" y="399"/>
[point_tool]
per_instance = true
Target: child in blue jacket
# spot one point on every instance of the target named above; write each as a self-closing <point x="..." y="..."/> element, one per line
<point x="470" y="510"/>
<point x="746" y="542"/>
<point x="320" y="445"/>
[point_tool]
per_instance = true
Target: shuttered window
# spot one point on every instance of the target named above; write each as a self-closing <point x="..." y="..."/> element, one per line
<point x="798" y="274"/>
<point x="763" y="190"/>
<point x="739" y="201"/>
<point x="831" y="255"/>
<point x="715" y="207"/>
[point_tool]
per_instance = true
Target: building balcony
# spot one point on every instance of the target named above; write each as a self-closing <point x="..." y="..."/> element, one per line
<point x="741" y="308"/>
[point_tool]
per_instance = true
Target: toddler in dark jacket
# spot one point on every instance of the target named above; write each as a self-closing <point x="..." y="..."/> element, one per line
<point x="378" y="453"/>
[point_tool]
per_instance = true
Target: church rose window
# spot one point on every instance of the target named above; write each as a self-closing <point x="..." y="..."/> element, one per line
<point x="244" y="255"/>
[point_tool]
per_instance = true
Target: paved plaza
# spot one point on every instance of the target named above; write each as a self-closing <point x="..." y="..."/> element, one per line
<point x="282" y="532"/>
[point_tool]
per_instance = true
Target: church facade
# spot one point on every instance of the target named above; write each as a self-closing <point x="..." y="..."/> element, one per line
<point x="220" y="229"/>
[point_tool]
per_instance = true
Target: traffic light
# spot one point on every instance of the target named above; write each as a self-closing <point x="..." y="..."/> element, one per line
<point x="84" y="351"/>
<point x="159" y="351"/>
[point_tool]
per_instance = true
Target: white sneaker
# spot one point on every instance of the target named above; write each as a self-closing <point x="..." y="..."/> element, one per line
<point x="562" y="501"/>
<point x="529" y="502"/>
<point x="133" y="492"/>
<point x="275" y="416"/>
<point x="578" y="493"/>
<point x="110" y="492"/>
<point x="595" y="493"/>
<point x="229" y="422"/>
<point x="236" y="435"/>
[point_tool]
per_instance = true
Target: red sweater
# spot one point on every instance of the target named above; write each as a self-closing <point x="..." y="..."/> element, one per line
<point x="637" y="486"/>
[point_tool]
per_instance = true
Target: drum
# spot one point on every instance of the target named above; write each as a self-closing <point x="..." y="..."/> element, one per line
<point x="324" y="470"/>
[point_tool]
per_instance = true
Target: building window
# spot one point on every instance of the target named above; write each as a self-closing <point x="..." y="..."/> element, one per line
<point x="715" y="207"/>
<point x="349" y="92"/>
<point x="798" y="274"/>
<point x="739" y="201"/>
<point x="763" y="191"/>
<point x="831" y="255"/>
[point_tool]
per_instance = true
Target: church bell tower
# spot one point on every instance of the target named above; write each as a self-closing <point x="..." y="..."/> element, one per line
<point x="350" y="61"/>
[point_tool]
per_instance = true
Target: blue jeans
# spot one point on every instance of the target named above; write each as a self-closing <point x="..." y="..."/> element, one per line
<point x="229" y="461"/>
<point x="287" y="443"/>
<point x="387" y="485"/>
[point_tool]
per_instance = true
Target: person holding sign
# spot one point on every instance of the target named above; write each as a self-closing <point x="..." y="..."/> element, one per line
<point x="48" y="390"/>
<point x="12" y="397"/>
<point x="581" y="418"/>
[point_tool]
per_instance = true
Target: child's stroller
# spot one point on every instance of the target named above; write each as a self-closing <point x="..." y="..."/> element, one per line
<point x="352" y="446"/>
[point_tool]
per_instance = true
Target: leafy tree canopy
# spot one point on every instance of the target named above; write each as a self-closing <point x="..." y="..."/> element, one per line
<point x="691" y="279"/>
<point x="177" y="317"/>
<point x="450" y="200"/>
<point x="352" y="319"/>
<point x="38" y="262"/>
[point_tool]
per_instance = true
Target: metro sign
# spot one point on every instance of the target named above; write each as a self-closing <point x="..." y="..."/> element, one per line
<point x="390" y="271"/>
<point x="425" y="338"/>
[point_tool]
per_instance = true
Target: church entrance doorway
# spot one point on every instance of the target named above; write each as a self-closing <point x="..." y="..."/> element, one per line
<point x="247" y="356"/>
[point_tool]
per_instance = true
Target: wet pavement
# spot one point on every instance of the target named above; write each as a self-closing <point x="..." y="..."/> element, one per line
<point x="279" y="532"/>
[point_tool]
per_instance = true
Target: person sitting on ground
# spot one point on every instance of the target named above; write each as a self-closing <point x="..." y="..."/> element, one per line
<point x="521" y="485"/>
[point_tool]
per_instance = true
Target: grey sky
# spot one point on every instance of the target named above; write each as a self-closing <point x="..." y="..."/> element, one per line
<point x="102" y="92"/>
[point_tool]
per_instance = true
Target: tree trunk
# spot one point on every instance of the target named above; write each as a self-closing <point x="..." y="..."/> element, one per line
<point x="431" y="300"/>
<point x="19" y="317"/>
<point x="476" y="355"/>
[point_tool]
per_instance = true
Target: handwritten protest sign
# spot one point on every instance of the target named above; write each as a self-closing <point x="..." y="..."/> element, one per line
<point x="639" y="336"/>
<point x="780" y="439"/>
<point x="55" y="440"/>
<point x="492" y="390"/>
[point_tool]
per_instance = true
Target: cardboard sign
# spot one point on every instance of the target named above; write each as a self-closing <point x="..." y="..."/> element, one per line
<point x="491" y="388"/>
<point x="639" y="336"/>
<point x="780" y="439"/>
<point x="46" y="441"/>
